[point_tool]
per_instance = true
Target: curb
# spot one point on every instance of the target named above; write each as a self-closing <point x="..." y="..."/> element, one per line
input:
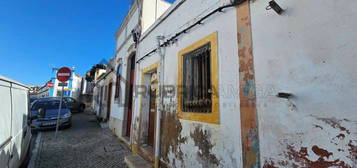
<point x="35" y="152"/>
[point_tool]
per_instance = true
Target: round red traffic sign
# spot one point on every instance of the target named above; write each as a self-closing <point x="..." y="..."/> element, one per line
<point x="63" y="74"/>
<point x="50" y="84"/>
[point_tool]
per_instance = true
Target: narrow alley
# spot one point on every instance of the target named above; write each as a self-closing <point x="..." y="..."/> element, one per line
<point x="85" y="145"/>
<point x="178" y="84"/>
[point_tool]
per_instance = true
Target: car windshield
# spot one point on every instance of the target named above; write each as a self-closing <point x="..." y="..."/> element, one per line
<point x="52" y="104"/>
<point x="68" y="99"/>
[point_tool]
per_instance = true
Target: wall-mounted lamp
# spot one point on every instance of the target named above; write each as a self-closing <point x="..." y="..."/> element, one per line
<point x="273" y="5"/>
<point x="136" y="35"/>
<point x="284" y="95"/>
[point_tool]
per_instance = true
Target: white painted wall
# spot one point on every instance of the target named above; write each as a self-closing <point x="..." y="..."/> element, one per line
<point x="98" y="96"/>
<point x="15" y="134"/>
<point x="44" y="91"/>
<point x="20" y="107"/>
<point x="226" y="136"/>
<point x="95" y="102"/>
<point x="309" y="51"/>
<point x="76" y="86"/>
<point x="5" y="111"/>
<point x="124" y="36"/>
<point x="152" y="10"/>
<point x="5" y="122"/>
<point x="124" y="45"/>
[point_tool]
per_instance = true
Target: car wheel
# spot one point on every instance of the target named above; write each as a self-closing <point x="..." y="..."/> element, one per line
<point x="82" y="108"/>
<point x="69" y="126"/>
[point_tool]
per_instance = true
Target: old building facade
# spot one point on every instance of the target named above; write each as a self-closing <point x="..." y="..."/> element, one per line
<point x="141" y="16"/>
<point x="102" y="91"/>
<point x="226" y="83"/>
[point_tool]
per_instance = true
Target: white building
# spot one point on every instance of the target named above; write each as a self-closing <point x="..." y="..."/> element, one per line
<point x="140" y="17"/>
<point x="73" y="87"/>
<point x="102" y="92"/>
<point x="262" y="89"/>
<point x="40" y="92"/>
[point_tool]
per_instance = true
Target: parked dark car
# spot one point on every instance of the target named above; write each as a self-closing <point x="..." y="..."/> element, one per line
<point x="74" y="105"/>
<point x="32" y="99"/>
<point x="44" y="114"/>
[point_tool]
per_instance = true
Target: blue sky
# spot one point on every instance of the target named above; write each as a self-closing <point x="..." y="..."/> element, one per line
<point x="36" y="35"/>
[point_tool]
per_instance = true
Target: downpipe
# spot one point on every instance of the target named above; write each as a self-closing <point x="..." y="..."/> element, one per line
<point x="161" y="103"/>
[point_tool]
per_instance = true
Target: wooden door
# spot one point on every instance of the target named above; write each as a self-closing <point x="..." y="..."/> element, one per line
<point x="109" y="100"/>
<point x="130" y="96"/>
<point x="152" y="118"/>
<point x="100" y="101"/>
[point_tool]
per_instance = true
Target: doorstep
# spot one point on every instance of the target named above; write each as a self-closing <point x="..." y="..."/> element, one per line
<point x="135" y="161"/>
<point x="104" y="124"/>
<point x="126" y="140"/>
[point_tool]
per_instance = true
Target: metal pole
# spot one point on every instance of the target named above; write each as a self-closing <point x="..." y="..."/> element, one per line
<point x="161" y="101"/>
<point x="59" y="110"/>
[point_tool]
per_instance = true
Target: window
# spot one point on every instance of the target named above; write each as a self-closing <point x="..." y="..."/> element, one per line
<point x="198" y="80"/>
<point x="117" y="84"/>
<point x="59" y="93"/>
<point x="69" y="99"/>
<point x="48" y="104"/>
<point x="197" y="91"/>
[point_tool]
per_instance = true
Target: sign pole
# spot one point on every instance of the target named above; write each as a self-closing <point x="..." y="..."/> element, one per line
<point x="63" y="75"/>
<point x="59" y="112"/>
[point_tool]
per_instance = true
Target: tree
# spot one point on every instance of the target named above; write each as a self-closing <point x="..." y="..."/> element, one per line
<point x="91" y="73"/>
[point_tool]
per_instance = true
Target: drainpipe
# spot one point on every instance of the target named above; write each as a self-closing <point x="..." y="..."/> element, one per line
<point x="161" y="100"/>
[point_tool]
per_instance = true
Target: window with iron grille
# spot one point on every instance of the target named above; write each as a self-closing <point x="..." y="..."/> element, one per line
<point x="117" y="84"/>
<point x="197" y="95"/>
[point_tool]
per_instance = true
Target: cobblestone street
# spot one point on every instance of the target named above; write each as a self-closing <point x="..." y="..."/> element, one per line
<point x="85" y="144"/>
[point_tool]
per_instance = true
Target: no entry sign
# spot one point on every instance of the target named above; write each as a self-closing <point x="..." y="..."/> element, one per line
<point x="50" y="84"/>
<point x="63" y="74"/>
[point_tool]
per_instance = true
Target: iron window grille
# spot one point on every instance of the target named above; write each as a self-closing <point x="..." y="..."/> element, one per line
<point x="197" y="88"/>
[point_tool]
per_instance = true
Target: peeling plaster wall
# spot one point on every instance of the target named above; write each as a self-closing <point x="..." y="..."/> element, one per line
<point x="136" y="109"/>
<point x="309" y="51"/>
<point x="186" y="143"/>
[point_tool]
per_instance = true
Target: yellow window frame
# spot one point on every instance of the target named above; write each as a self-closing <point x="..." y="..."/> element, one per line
<point x="212" y="117"/>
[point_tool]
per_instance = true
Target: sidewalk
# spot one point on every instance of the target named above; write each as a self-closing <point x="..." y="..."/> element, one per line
<point x="85" y="144"/>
